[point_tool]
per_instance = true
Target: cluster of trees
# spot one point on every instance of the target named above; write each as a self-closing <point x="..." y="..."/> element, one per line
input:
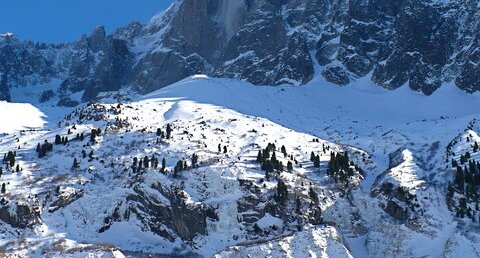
<point x="182" y="165"/>
<point x="146" y="162"/>
<point x="225" y="150"/>
<point x="60" y="140"/>
<point x="270" y="163"/>
<point x="281" y="194"/>
<point x="165" y="135"/>
<point x="94" y="134"/>
<point x="43" y="149"/>
<point x="315" y="159"/>
<point x="466" y="182"/>
<point x="9" y="158"/>
<point x="340" y="167"/>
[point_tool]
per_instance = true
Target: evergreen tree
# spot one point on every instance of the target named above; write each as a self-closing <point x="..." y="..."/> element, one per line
<point x="225" y="149"/>
<point x="169" y="131"/>
<point x="316" y="161"/>
<point x="75" y="164"/>
<point x="284" y="151"/>
<point x="178" y="168"/>
<point x="289" y="166"/>
<point x="313" y="196"/>
<point x="194" y="160"/>
<point x="4" y="188"/>
<point x="281" y="194"/>
<point x="146" y="162"/>
<point x="459" y="179"/>
<point x="18" y="168"/>
<point x="259" y="157"/>
<point x="164" y="166"/>
<point x="58" y="139"/>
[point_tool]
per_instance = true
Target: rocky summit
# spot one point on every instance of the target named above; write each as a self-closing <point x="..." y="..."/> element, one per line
<point x="424" y="44"/>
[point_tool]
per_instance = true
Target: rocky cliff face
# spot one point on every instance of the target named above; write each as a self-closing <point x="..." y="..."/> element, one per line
<point x="423" y="44"/>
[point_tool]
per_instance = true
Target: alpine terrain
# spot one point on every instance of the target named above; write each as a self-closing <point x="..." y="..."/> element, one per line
<point x="247" y="128"/>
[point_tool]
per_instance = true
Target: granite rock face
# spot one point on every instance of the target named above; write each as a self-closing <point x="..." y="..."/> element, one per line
<point x="422" y="44"/>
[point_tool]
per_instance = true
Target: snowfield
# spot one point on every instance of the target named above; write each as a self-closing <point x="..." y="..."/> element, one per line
<point x="16" y="117"/>
<point x="107" y="206"/>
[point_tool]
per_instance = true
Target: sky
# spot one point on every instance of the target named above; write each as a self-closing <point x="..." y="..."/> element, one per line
<point x="56" y="21"/>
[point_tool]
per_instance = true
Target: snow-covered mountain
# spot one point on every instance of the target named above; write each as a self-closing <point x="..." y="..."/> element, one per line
<point x="91" y="181"/>
<point x="115" y="146"/>
<point x="422" y="44"/>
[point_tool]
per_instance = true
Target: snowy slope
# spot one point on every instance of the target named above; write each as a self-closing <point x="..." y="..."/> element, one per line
<point x="104" y="204"/>
<point x="17" y="117"/>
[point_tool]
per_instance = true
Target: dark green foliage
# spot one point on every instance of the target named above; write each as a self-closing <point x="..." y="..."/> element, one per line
<point x="58" y="139"/>
<point x="284" y="151"/>
<point x="289" y="166"/>
<point x="259" y="157"/>
<point x="316" y="161"/>
<point x="340" y="167"/>
<point x="9" y="158"/>
<point x="194" y="160"/>
<point x="269" y="163"/>
<point x="313" y="196"/>
<point x="164" y="166"/>
<point x="179" y="168"/>
<point x="169" y="131"/>
<point x="75" y="164"/>
<point x="44" y="148"/>
<point x="146" y="162"/>
<point x="94" y="134"/>
<point x="281" y="195"/>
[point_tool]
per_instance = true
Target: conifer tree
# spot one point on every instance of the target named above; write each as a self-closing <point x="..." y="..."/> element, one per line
<point x="4" y="188"/>
<point x="75" y="164"/>
<point x="313" y="196"/>
<point x="146" y="162"/>
<point x="259" y="157"/>
<point x="169" y="131"/>
<point x="281" y="194"/>
<point x="289" y="166"/>
<point x="194" y="160"/>
<point x="164" y="166"/>
<point x="284" y="151"/>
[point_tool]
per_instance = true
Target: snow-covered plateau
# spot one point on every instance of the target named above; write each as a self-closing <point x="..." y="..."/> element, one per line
<point x="219" y="167"/>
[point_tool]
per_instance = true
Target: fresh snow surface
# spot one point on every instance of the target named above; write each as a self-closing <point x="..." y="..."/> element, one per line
<point x="17" y="117"/>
